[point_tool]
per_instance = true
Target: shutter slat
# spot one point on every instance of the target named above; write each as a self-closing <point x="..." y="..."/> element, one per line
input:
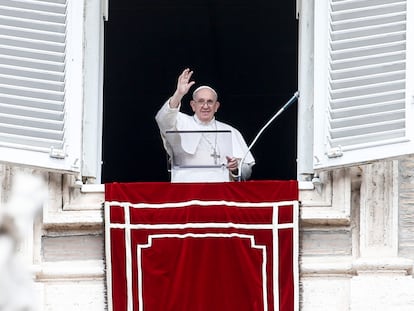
<point x="368" y="50"/>
<point x="54" y="1"/>
<point x="32" y="24"/>
<point x="367" y="80"/>
<point x="367" y="21"/>
<point x="33" y="5"/>
<point x="39" y="35"/>
<point x="31" y="102"/>
<point x="368" y="41"/>
<point x="32" y="63"/>
<point x="365" y="9"/>
<point x="32" y="123"/>
<point x="356" y="119"/>
<point x="361" y="141"/>
<point x="31" y="132"/>
<point x="367" y="129"/>
<point x="367" y="109"/>
<point x="32" y="83"/>
<point x="32" y="73"/>
<point x="367" y="99"/>
<point x="34" y="143"/>
<point x="33" y="15"/>
<point x="24" y="111"/>
<point x="32" y="54"/>
<point x="366" y="32"/>
<point x="367" y="71"/>
<point x="379" y="60"/>
<point x="32" y="44"/>
<point x="368" y="89"/>
<point x="341" y="5"/>
<point x="34" y="93"/>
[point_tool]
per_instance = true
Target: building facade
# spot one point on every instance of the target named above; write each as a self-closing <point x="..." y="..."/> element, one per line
<point x="355" y="167"/>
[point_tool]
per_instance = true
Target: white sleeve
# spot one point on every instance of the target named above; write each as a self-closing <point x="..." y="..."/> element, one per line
<point x="240" y="148"/>
<point x="241" y="151"/>
<point x="167" y="117"/>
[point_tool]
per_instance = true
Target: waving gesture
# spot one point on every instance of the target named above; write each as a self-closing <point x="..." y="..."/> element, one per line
<point x="183" y="86"/>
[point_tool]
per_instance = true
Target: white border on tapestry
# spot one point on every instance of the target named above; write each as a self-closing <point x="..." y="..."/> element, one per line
<point x="202" y="235"/>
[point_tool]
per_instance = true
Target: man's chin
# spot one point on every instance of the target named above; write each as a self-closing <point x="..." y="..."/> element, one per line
<point x="205" y="117"/>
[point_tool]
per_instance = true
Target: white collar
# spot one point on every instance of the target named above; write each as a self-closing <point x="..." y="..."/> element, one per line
<point x="198" y="121"/>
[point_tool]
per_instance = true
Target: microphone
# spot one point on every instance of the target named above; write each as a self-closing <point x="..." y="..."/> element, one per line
<point x="281" y="110"/>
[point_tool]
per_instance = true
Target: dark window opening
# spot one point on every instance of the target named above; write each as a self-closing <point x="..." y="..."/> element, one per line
<point x="246" y="50"/>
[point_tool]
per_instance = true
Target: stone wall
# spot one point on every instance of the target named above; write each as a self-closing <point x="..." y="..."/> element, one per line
<point x="356" y="239"/>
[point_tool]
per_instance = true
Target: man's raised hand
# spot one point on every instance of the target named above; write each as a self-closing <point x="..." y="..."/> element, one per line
<point x="184" y="84"/>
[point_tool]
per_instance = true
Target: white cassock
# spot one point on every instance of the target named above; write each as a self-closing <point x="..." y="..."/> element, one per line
<point x="193" y="147"/>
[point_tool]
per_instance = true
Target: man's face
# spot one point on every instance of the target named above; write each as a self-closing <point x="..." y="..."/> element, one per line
<point x="205" y="105"/>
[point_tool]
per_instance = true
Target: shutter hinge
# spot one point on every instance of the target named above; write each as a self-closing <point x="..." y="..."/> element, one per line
<point x="57" y="153"/>
<point x="335" y="152"/>
<point x="75" y="165"/>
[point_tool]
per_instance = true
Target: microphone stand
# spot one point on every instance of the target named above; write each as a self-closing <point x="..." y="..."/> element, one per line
<point x="281" y="110"/>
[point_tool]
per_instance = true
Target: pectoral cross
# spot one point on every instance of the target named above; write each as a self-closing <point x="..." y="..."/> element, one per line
<point x="216" y="156"/>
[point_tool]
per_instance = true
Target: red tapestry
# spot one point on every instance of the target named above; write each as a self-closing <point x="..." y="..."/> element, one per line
<point x="202" y="246"/>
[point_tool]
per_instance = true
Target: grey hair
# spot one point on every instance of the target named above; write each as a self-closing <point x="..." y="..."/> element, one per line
<point x="205" y="87"/>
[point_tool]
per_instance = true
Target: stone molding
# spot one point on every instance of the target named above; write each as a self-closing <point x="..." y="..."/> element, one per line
<point x="328" y="203"/>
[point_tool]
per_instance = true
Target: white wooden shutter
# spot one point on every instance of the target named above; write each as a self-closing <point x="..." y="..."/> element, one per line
<point x="363" y="100"/>
<point x="36" y="74"/>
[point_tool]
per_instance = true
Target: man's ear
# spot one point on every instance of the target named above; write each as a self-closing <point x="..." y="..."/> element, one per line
<point x="193" y="105"/>
<point x="217" y="105"/>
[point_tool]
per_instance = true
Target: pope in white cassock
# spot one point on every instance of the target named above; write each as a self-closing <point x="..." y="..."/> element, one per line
<point x="202" y="149"/>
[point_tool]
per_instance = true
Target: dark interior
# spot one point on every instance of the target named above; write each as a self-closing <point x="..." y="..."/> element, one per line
<point x="246" y="50"/>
